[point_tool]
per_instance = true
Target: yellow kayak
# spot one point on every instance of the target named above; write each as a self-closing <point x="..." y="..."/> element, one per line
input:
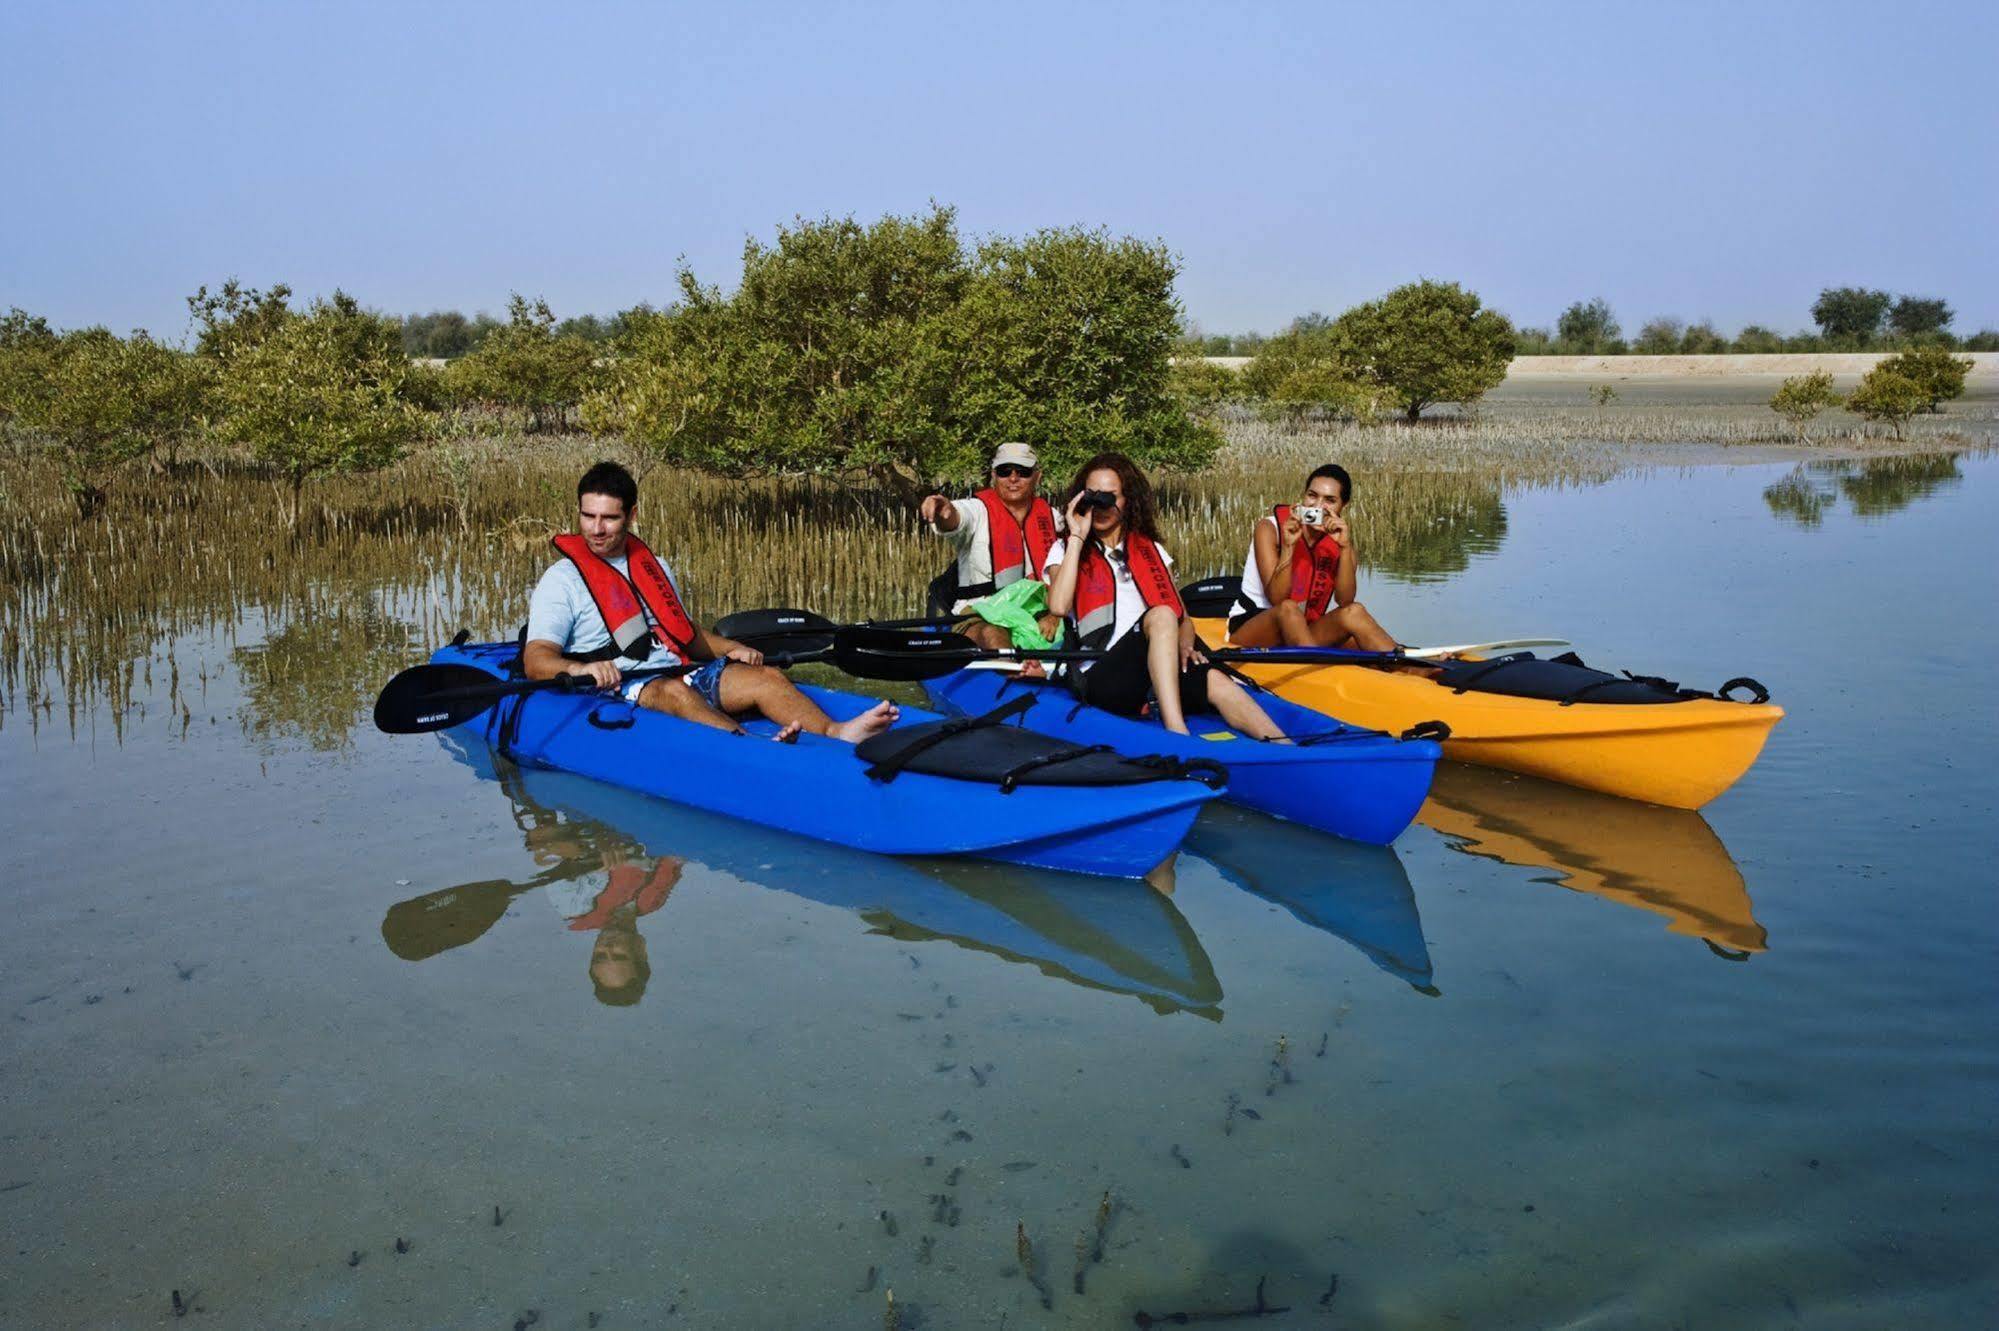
<point x="1680" y="754"/>
<point x="1667" y="861"/>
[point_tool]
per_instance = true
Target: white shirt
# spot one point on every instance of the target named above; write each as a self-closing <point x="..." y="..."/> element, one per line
<point x="1252" y="576"/>
<point x="1130" y="605"/>
<point x="561" y="611"/>
<point x="975" y="552"/>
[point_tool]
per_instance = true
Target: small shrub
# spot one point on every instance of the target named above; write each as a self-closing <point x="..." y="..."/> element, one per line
<point x="1799" y="400"/>
<point x="1602" y="394"/>
<point x="1940" y="373"/>
<point x="1887" y="396"/>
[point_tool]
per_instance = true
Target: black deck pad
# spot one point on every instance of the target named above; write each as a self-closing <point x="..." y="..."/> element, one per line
<point x="1008" y="756"/>
<point x="1563" y="679"/>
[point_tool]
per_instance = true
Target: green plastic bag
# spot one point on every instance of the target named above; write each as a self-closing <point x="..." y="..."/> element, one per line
<point x="1017" y="608"/>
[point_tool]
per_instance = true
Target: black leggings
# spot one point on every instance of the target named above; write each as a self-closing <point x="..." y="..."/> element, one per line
<point x="1121" y="683"/>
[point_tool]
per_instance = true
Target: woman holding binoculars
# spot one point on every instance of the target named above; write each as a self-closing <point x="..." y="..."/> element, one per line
<point x="1110" y="577"/>
<point x="1298" y="580"/>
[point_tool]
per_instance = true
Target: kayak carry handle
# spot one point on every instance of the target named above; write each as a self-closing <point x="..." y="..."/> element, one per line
<point x="1758" y="692"/>
<point x="1436" y="730"/>
<point x="597" y="718"/>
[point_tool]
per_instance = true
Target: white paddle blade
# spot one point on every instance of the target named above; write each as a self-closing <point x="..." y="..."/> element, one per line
<point x="1481" y="648"/>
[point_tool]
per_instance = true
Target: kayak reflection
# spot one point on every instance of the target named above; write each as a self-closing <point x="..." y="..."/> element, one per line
<point x="1357" y="893"/>
<point x="1112" y="935"/>
<point x="1668" y="861"/>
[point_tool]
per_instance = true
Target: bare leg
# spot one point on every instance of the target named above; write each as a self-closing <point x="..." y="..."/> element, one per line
<point x="985" y="634"/>
<point x="1351" y="624"/>
<point x="675" y="698"/>
<point x="1261" y="630"/>
<point x="765" y="690"/>
<point x="1239" y="708"/>
<point x="1162" y="662"/>
<point x="1293" y="626"/>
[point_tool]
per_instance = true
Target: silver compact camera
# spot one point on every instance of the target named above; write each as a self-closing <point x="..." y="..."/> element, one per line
<point x="1313" y="516"/>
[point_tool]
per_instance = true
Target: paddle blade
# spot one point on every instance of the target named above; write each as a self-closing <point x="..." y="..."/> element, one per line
<point x="438" y="921"/>
<point x="778" y="631"/>
<point x="410" y="703"/>
<point x="888" y="654"/>
<point x="1211" y="598"/>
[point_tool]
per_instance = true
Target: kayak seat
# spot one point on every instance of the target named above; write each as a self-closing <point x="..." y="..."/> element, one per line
<point x="983" y="749"/>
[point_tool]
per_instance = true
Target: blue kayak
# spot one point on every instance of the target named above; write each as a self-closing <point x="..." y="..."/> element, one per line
<point x="1071" y="815"/>
<point x="1355" y="783"/>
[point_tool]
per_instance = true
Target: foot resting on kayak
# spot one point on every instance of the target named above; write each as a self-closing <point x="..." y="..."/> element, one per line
<point x="610" y="606"/>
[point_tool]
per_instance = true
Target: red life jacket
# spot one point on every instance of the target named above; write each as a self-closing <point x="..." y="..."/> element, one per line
<point x="624" y="884"/>
<point x="1315" y="564"/>
<point x="1095" y="612"/>
<point x="1018" y="549"/>
<point x="623" y="601"/>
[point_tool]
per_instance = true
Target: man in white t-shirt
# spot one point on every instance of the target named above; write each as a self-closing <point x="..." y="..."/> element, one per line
<point x="1001" y="534"/>
<point x="610" y="606"/>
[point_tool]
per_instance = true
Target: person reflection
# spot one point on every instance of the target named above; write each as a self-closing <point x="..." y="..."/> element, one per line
<point x="599" y="880"/>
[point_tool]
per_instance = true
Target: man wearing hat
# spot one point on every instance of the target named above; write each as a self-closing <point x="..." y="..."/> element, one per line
<point x="1002" y="534"/>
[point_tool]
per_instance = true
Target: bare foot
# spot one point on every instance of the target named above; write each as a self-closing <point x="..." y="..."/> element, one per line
<point x="871" y="722"/>
<point x="788" y="735"/>
<point x="1033" y="670"/>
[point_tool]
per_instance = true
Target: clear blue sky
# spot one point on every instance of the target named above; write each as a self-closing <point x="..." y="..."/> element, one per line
<point x="1721" y="161"/>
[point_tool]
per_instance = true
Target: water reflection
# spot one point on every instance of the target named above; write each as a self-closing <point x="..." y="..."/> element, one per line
<point x="315" y="676"/>
<point x="1874" y="487"/>
<point x="1463" y="526"/>
<point x="1667" y="861"/>
<point x="601" y="855"/>
<point x="1359" y="894"/>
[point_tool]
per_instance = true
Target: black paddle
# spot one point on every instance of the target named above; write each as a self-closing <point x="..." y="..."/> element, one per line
<point x="804" y="631"/>
<point x="439" y="696"/>
<point x="880" y="653"/>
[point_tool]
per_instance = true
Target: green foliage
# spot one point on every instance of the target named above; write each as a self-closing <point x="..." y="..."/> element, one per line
<point x="1533" y="342"/>
<point x="1702" y="339"/>
<point x="445" y="334"/>
<point x="28" y="348"/>
<point x="1067" y="339"/>
<point x="1303" y="372"/>
<point x="1850" y="316"/>
<point x="109" y="400"/>
<point x="1800" y="399"/>
<point x="236" y="316"/>
<point x="527" y="366"/>
<point x="1200" y="386"/>
<point x="1985" y="339"/>
<point x="1427" y="342"/>
<point x="1888" y="396"/>
<point x="1756" y="340"/>
<point x="885" y="350"/>
<point x="1660" y="337"/>
<point x="325" y="391"/>
<point x="1588" y="328"/>
<point x="1918" y="316"/>
<point x="1602" y="394"/>
<point x="1940" y="374"/>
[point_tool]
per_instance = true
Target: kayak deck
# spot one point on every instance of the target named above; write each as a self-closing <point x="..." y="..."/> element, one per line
<point x="1679" y="754"/>
<point x="819" y="787"/>
<point x="1342" y="779"/>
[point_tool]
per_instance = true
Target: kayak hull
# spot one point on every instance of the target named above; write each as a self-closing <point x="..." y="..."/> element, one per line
<point x="1349" y="782"/>
<point x="818" y="788"/>
<point x="1680" y="754"/>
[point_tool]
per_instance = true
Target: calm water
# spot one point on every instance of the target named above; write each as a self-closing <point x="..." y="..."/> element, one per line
<point x="1552" y="1061"/>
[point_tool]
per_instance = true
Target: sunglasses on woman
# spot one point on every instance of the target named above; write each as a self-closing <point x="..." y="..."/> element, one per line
<point x="1008" y="471"/>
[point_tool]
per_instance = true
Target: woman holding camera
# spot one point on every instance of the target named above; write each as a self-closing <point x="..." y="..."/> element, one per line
<point x="1112" y="580"/>
<point x="1298" y="581"/>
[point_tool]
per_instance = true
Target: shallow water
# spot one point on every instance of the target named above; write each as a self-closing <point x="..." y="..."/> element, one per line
<point x="279" y="993"/>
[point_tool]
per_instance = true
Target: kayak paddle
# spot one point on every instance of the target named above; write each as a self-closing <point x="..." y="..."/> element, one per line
<point x="879" y="653"/>
<point x="802" y="630"/>
<point x="1216" y="598"/>
<point x="438" y="696"/>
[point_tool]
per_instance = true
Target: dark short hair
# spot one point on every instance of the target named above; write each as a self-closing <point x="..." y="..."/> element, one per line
<point x="612" y="480"/>
<point x="1333" y="471"/>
